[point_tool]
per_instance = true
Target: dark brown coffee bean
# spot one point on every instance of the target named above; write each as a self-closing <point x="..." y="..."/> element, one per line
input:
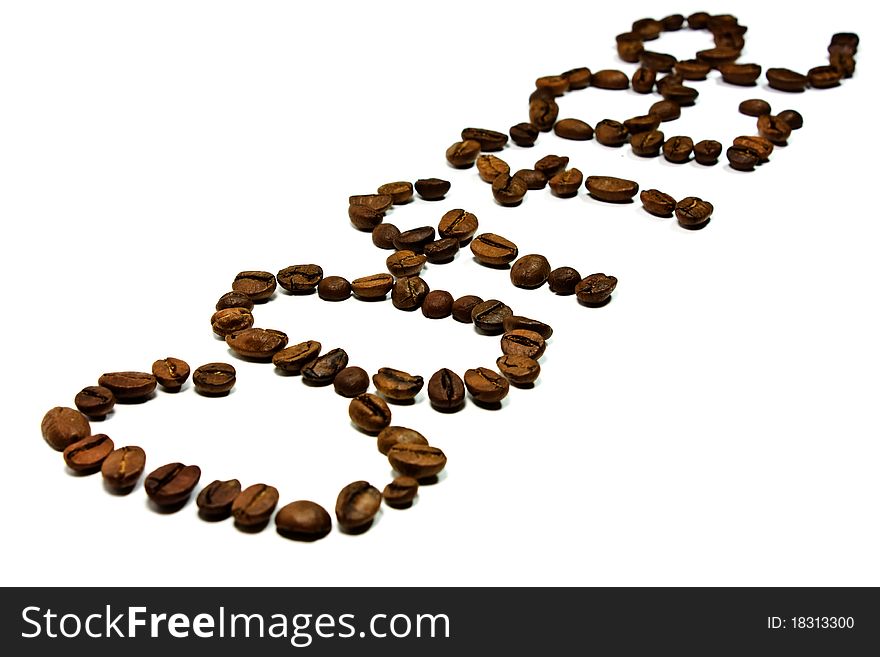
<point x="610" y="79"/>
<point x="257" y="343"/>
<point x="519" y="370"/>
<point x="684" y="96"/>
<point x="531" y="271"/>
<point x="532" y="178"/>
<point x="578" y="78"/>
<point x="401" y="492"/>
<point x="383" y="236"/>
<point x="612" y="190"/>
<point x="397" y="385"/>
<point x="850" y="39"/>
<point x="543" y="113"/>
<point x="793" y="118"/>
<point x="442" y="250"/>
<point x="303" y="521"/>
<point x="629" y="46"/>
<point x="458" y="224"/>
<point x="86" y="455"/>
<point x="351" y="381"/>
<point x="566" y="184"/>
<point x="123" y="467"/>
<point x="433" y="189"/>
<point x="231" y="320"/>
<point x="417" y="461"/>
<point x="741" y="159"/>
<point x="171" y="373"/>
<point x="740" y="74"/>
<point x="824" y="77"/>
<point x="784" y="79"/>
<point x="490" y="140"/>
<point x="563" y="279"/>
<point x="773" y="128"/>
<point x="463" y="154"/>
<point x="409" y="293"/>
<point x="215" y="500"/>
<point x="300" y="279"/>
<point x="372" y="288"/>
<point x="437" y="304"/>
<point x="666" y="110"/>
<point x="841" y="59"/>
<point x="414" y="239"/>
<point x="754" y="107"/>
<point x="508" y="191"/>
<point x="595" y="290"/>
<point x="524" y="134"/>
<point x="486" y="386"/>
<point x="334" y="288"/>
<point x="672" y="23"/>
<point x="401" y="192"/>
<point x="462" y="307"/>
<point x="95" y="401"/>
<point x="643" y="80"/>
<point x="574" y="129"/>
<point x="647" y="144"/>
<point x="611" y="133"/>
<point x="521" y="342"/>
<point x="518" y="322"/>
<point x="692" y="69"/>
<point x="693" y="212"/>
<point x="357" y="505"/>
<point x="322" y="370"/>
<point x="364" y="217"/>
<point x="555" y="85"/>
<point x="446" y="391"/>
<point x="644" y="123"/>
<point x="214" y="379"/>
<point x="128" y="386"/>
<point x="391" y="436"/>
<point x="489" y="316"/>
<point x="706" y="152"/>
<point x="253" y="507"/>
<point x="494" y="250"/>
<point x="648" y="28"/>
<point x="292" y="359"/>
<point x="719" y="55"/>
<point x="378" y="202"/>
<point x="369" y="413"/>
<point x="698" y="20"/>
<point x="234" y="300"/>
<point x="258" y="286"/>
<point x="550" y="165"/>
<point x="668" y="81"/>
<point x="678" y="149"/>
<point x="172" y="484"/>
<point x="490" y="167"/>
<point x="657" y="203"/>
<point x="405" y="263"/>
<point x="657" y="61"/>
<point x="757" y="145"/>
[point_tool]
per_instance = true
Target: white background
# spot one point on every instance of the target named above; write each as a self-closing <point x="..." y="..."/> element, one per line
<point x="715" y="424"/>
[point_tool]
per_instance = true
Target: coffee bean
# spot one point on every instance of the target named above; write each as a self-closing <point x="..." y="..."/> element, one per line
<point x="524" y="134"/>
<point x="292" y="359"/>
<point x="793" y="118"/>
<point x="563" y="279"/>
<point x="657" y="61"/>
<point x="322" y="370"/>
<point x="463" y="154"/>
<point x="521" y="342"/>
<point x="489" y="316"/>
<point x="629" y="46"/>
<point x="543" y="113"/>
<point x="215" y="500"/>
<point x="369" y="413"/>
<point x="95" y="401"/>
<point x="757" y="145"/>
<point x="665" y="110"/>
<point x="566" y="184"/>
<point x="574" y="129"/>
<point x="693" y="212"/>
<point x="740" y="74"/>
<point x="706" y="152"/>
<point x="86" y="455"/>
<point x="678" y="149"/>
<point x="648" y="28"/>
<point x="610" y="79"/>
<point x="257" y="343"/>
<point x="442" y="250"/>
<point x="754" y="107"/>
<point x="372" y="288"/>
<point x="684" y="96"/>
<point x="397" y="385"/>
<point x="445" y="391"/>
<point x="595" y="290"/>
<point x="458" y="224"/>
<point x="519" y="370"/>
<point x="437" y="304"/>
<point x="300" y="279"/>
<point x="401" y="492"/>
<point x="214" y="379"/>
<point x="234" y="300"/>
<point x="556" y="85"/>
<point x="171" y="373"/>
<point x="850" y="39"/>
<point x="578" y="78"/>
<point x="672" y="23"/>
<point x="172" y="484"/>
<point x="719" y="55"/>
<point x="123" y="467"/>
<point x="486" y="386"/>
<point x="669" y="81"/>
<point x="462" y="307"/>
<point x="490" y="167"/>
<point x="334" y="288"/>
<point x="530" y="271"/>
<point x="258" y="286"/>
<point x="433" y="189"/>
<point x="824" y="77"/>
<point x="698" y="20"/>
<point x="692" y="69"/>
<point x="401" y="192"/>
<point x="391" y="436"/>
<point x="417" y="461"/>
<point x="550" y="165"/>
<point x="253" y="507"/>
<point x="518" y="322"/>
<point x="784" y="79"/>
<point x="128" y="386"/>
<point x="405" y="263"/>
<point x="351" y="381"/>
<point x="357" y="505"/>
<point x="494" y="250"/>
<point x="643" y="80"/>
<point x="657" y="203"/>
<point x="415" y="239"/>
<point x="612" y="190"/>
<point x="231" y="320"/>
<point x="490" y="140"/>
<point x="364" y="217"/>
<point x="409" y="293"/>
<point x="647" y="144"/>
<point x="303" y="521"/>
<point x="378" y="202"/>
<point x="741" y="159"/>
<point x="611" y="133"/>
<point x="383" y="236"/>
<point x="773" y="128"/>
<point x="841" y="60"/>
<point x="532" y="178"/>
<point x="508" y="191"/>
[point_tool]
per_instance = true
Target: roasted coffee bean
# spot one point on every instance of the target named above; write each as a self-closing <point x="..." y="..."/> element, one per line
<point x="334" y="288"/>
<point x="785" y="79"/>
<point x="521" y="342"/>
<point x="490" y="167"/>
<point x="172" y="484"/>
<point x="692" y="69"/>
<point x="445" y="391"/>
<point x="793" y="118"/>
<point x="409" y="293"/>
<point x="383" y="236"/>
<point x="123" y="467"/>
<point x="300" y="279"/>
<point x="841" y="60"/>
<point x="518" y="322"/>
<point x="303" y="521"/>
<point x="378" y="202"/>
<point x="629" y="46"/>
<point x="291" y="359"/>
<point x="405" y="263"/>
<point x="231" y="320"/>
<point x="741" y="159"/>
<point x="719" y="55"/>
<point x="372" y="288"/>
<point x="215" y="500"/>
<point x="524" y="134"/>
<point x="401" y="492"/>
<point x="647" y="144"/>
<point x="555" y="85"/>
<point x="643" y="80"/>
<point x="433" y="189"/>
<point x="214" y="379"/>
<point x="741" y="74"/>
<point x="357" y="505"/>
<point x="391" y="436"/>
<point x="850" y="39"/>
<point x="531" y="271"/>
<point x="322" y="370"/>
<point x="757" y="145"/>
<point x="684" y="96"/>
<point x="437" y="304"/>
<point x="257" y="343"/>
<point x="128" y="386"/>
<point x="648" y="28"/>
<point x="550" y="165"/>
<point x="397" y="385"/>
<point x="578" y="78"/>
<point x="369" y="413"/>
<point x="171" y="373"/>
<point x="258" y="286"/>
<point x="489" y="316"/>
<point x="668" y="81"/>
<point x="541" y="93"/>
<point x="566" y="184"/>
<point x="595" y="290"/>
<point x="612" y="190"/>
<point x="463" y="154"/>
<point x="95" y="401"/>
<point x="824" y="77"/>
<point x="86" y="455"/>
<point x="401" y="192"/>
<point x="706" y="152"/>
<point x="254" y="506"/>
<point x="462" y="307"/>
<point x="532" y="178"/>
<point x="644" y="123"/>
<point x="490" y="140"/>
<point x="657" y="61"/>
<point x="672" y="23"/>
<point x="698" y="20"/>
<point x="610" y="79"/>
<point x="486" y="386"/>
<point x="508" y="191"/>
<point x="414" y="239"/>
<point x="563" y="279"/>
<point x="754" y="107"/>
<point x="519" y="370"/>
<point x="494" y="250"/>
<point x="773" y="128"/>
<point x="657" y="202"/>
<point x="611" y="133"/>
<point x="458" y="224"/>
<point x="364" y="217"/>
<point x="574" y="129"/>
<point x="665" y="110"/>
<point x="351" y="381"/>
<point x="234" y="300"/>
<point x="442" y="250"/>
<point x="417" y="461"/>
<point x="678" y="149"/>
<point x="693" y="212"/>
<point x="543" y="113"/>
